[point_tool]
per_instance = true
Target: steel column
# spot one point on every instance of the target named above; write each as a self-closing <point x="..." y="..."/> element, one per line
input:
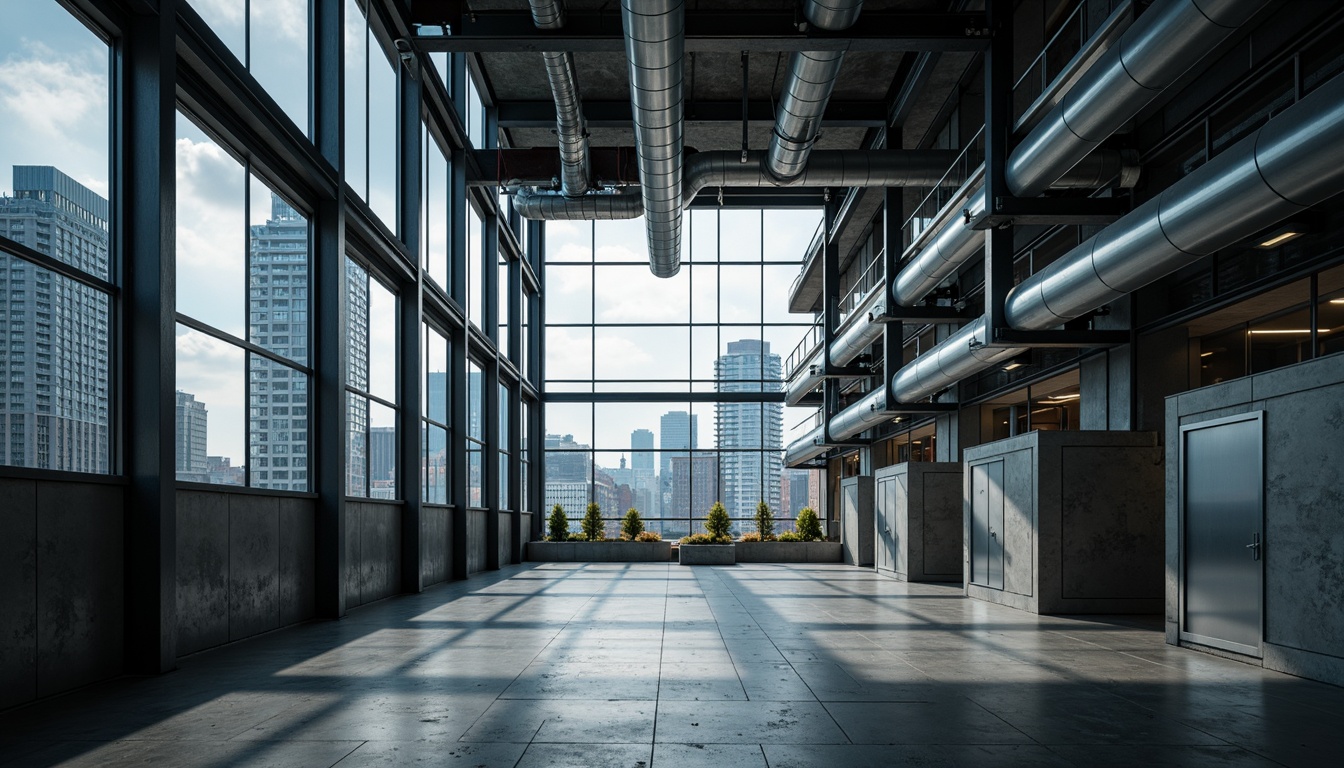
<point x="457" y="365"/>
<point x="410" y="306"/>
<point x="146" y="174"/>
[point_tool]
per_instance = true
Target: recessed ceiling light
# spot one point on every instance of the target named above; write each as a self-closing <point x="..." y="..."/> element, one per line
<point x="1279" y="330"/>
<point x="1013" y="366"/>
<point x="1280" y="239"/>
<point x="1337" y="301"/>
<point x="1205" y="354"/>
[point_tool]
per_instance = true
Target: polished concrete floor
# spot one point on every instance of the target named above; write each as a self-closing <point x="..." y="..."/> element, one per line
<point x="663" y="665"/>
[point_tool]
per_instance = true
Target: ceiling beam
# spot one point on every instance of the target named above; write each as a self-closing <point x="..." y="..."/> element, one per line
<point x="616" y="114"/>
<point x="711" y="31"/>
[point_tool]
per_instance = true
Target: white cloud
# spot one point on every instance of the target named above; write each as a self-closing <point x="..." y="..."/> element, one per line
<point x="214" y="372"/>
<point x="56" y="111"/>
<point x="211" y="233"/>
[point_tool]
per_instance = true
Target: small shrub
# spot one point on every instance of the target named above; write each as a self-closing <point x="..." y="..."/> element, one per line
<point x="593" y="527"/>
<point x="648" y="536"/>
<point x="632" y="525"/>
<point x="705" y="538"/>
<point x="750" y="536"/>
<point x="557" y="524"/>
<point x="765" y="521"/>
<point x="790" y="536"/>
<point x="717" y="523"/>
<point x="808" y="525"/>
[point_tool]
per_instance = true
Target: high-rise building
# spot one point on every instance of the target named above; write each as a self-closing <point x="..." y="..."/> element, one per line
<point x="278" y="308"/>
<point x="569" y="474"/>
<point x="54" y="356"/>
<point x="750" y="435"/>
<point x="641" y="450"/>
<point x="357" y="365"/>
<point x="695" y="488"/>
<point x="677" y="432"/>
<point x="382" y="457"/>
<point x="190" y="458"/>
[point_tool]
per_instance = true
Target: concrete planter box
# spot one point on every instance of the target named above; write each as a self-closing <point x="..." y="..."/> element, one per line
<point x="707" y="554"/>
<point x="599" y="551"/>
<point x="788" y="551"/>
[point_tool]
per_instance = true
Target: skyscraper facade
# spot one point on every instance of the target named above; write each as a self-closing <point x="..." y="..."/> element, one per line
<point x="278" y="322"/>
<point x="677" y="432"/>
<point x="54" y="352"/>
<point x="750" y="435"/>
<point x="695" y="488"/>
<point x="641" y="450"/>
<point x="190" y="459"/>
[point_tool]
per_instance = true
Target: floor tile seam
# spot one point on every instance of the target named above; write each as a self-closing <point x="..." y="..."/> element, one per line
<point x="662" y="644"/>
<point x="998" y="717"/>
<point x="357" y="747"/>
<point x="718" y="628"/>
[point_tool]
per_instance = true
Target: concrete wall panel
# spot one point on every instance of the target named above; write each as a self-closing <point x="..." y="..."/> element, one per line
<point x="202" y="571"/>
<point x="298" y="560"/>
<point x="354" y="532"/>
<point x="18" y="592"/>
<point x="379" y="550"/>
<point x="1110" y="555"/>
<point x="254" y="565"/>
<point x="942" y="550"/>
<point x="1019" y="522"/>
<point x="434" y="554"/>
<point x="505" y="538"/>
<point x="80" y="584"/>
<point x="476" y="546"/>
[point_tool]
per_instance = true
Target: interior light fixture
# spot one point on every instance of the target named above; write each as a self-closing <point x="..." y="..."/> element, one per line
<point x="1279" y="238"/>
<point x="1013" y="366"/>
<point x="1267" y="331"/>
<point x="1061" y="398"/>
<point x="1205" y="354"/>
<point x="1337" y="301"/>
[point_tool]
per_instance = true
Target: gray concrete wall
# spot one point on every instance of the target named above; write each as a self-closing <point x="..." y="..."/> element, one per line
<point x="245" y="565"/>
<point x="1082" y="528"/>
<point x="436" y="544"/>
<point x="372" y="551"/>
<point x="476" y="545"/>
<point x="1303" y="408"/>
<point x="505" y="538"/>
<point x="929" y="501"/>
<point x="61" y="586"/>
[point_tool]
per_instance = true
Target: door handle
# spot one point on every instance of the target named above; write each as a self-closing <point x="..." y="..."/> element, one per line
<point x="1254" y="546"/>
<point x="993" y="534"/>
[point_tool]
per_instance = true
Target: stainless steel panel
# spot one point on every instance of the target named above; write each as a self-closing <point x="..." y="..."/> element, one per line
<point x="994" y="544"/>
<point x="1223" y="518"/>
<point x="885" y="517"/>
<point x="979" y="543"/>
<point x="899" y="506"/>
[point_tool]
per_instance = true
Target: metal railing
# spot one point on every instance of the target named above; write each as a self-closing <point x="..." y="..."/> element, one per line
<point x="1055" y="56"/>
<point x="812" y="247"/>
<point x="950" y="187"/>
<point x="811" y="340"/>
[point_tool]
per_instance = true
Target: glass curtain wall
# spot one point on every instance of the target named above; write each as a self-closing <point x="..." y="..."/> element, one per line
<point x="667" y="394"/>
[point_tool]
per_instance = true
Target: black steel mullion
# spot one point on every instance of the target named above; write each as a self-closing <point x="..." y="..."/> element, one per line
<point x="145" y="175"/>
<point x="37" y="258"/>
<point x="210" y="330"/>
<point x="247" y="319"/>
<point x="410" y="312"/>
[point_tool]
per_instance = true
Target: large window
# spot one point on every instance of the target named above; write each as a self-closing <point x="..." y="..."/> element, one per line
<point x="55" y="301"/>
<point x="434" y="212"/>
<point x="475" y="436"/>
<point x="370" y="116"/>
<point x="243" y="327"/>
<point x="370" y="385"/>
<point x="706" y="346"/>
<point x="270" y="38"/>
<point x="437" y="395"/>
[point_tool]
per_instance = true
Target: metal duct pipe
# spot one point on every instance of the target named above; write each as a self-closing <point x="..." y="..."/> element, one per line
<point x="1160" y="46"/>
<point x="654" y="48"/>
<point x="807" y="88"/>
<point x="807" y="447"/>
<point x="1294" y="161"/>
<point x="570" y="127"/>
<point x="805" y="378"/>
<point x="955" y="243"/>
<point x="862" y="329"/>
<point x="1291" y="163"/>
<point x="829" y="168"/>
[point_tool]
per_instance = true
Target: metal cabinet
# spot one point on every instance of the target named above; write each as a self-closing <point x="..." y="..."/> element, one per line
<point x="856" y="520"/>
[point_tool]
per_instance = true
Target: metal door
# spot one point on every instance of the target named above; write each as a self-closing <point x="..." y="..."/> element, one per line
<point x="900" y="522"/>
<point x="886" y="499"/>
<point x="1222" y="489"/>
<point x="987" y="524"/>
<point x="849" y="518"/>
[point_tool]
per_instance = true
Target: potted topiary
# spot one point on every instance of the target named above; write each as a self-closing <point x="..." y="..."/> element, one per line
<point x="632" y="525"/>
<point x="819" y="550"/>
<point x="591" y="546"/>
<point x="715" y="546"/>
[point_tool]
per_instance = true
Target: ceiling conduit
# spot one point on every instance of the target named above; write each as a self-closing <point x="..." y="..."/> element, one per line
<point x="570" y="128"/>
<point x="827" y="168"/>
<point x="1162" y="44"/>
<point x="654" y="49"/>
<point x="1294" y="161"/>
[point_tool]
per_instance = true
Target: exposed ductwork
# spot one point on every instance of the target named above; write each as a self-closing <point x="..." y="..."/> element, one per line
<point x="1291" y="163"/>
<point x="805" y="378"/>
<point x="861" y="329"/>
<point x="833" y="168"/>
<point x="654" y="48"/>
<point x="570" y="128"/>
<point x="807" y="88"/>
<point x="955" y="242"/>
<point x="1161" y="45"/>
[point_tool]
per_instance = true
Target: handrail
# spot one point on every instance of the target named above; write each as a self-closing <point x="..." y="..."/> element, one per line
<point x="1077" y="22"/>
<point x="810" y="342"/>
<point x="932" y="204"/>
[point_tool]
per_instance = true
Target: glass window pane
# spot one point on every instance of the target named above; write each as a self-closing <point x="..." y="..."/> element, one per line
<point x="54" y="87"/>
<point x="209" y="419"/>
<point x="569" y="354"/>
<point x="569" y="294"/>
<point x="504" y="500"/>
<point x="740" y="293"/>
<point x="356" y="100"/>
<point x="642" y="353"/>
<point x="569" y="425"/>
<point x="382" y="342"/>
<point x="504" y="307"/>
<point x="356" y="445"/>
<point x="436" y="375"/>
<point x="704" y="293"/>
<point x="704" y="235"/>
<point x="357" y="325"/>
<point x="436" y="465"/>
<point x="740" y="235"/>
<point x="54" y="403"/>
<point x="382" y="452"/>
<point x="228" y="21"/>
<point x="621" y="240"/>
<point x="211" y="231"/>
<point x="279" y="51"/>
<point x="382" y="151"/>
<point x="568" y="241"/>
<point x="277" y="425"/>
<point x="475" y="475"/>
<point x="434" y="257"/>
<point x="475" y="404"/>
<point x="505" y="434"/>
<point x="475" y="278"/>
<point x="632" y="294"/>
<point x="277" y="275"/>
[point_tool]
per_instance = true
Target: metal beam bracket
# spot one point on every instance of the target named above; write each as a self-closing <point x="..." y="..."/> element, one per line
<point x="1022" y="211"/>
